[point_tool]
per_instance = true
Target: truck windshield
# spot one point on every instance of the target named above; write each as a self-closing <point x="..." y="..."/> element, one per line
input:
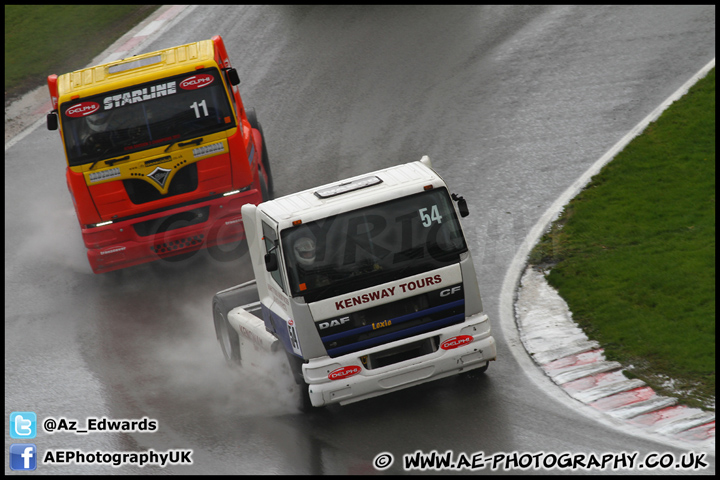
<point x="372" y="245"/>
<point x="146" y="115"/>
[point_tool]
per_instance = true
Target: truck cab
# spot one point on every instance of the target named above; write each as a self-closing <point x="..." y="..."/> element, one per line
<point x="161" y="153"/>
<point x="367" y="284"/>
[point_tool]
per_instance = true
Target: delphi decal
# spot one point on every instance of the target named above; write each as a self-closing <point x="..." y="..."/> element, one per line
<point x="456" y="342"/>
<point x="344" y="372"/>
<point x="196" y="81"/>
<point x="82" y="109"/>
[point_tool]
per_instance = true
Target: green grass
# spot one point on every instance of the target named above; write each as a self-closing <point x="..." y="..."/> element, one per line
<point x="45" y="39"/>
<point x="634" y="253"/>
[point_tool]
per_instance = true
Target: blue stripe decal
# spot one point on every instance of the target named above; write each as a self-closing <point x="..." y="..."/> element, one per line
<point x="395" y="321"/>
<point x="425" y="327"/>
<point x="279" y="327"/>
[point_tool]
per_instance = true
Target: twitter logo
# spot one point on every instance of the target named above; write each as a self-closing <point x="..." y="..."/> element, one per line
<point x="23" y="424"/>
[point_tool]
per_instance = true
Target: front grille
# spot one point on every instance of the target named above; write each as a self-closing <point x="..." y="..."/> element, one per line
<point x="399" y="354"/>
<point x="140" y="191"/>
<point x="393" y="321"/>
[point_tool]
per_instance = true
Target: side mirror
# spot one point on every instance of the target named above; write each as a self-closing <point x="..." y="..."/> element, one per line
<point x="271" y="262"/>
<point x="462" y="205"/>
<point x="52" y="120"/>
<point x="233" y="76"/>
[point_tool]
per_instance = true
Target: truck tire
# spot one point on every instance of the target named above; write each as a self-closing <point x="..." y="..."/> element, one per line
<point x="264" y="190"/>
<point x="476" y="371"/>
<point x="266" y="165"/>
<point x="252" y="118"/>
<point x="483" y="369"/>
<point x="304" y="402"/>
<point x="295" y="364"/>
<point x="227" y="337"/>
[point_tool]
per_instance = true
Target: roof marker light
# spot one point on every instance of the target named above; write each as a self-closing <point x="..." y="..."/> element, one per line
<point x="142" y="62"/>
<point x="348" y="187"/>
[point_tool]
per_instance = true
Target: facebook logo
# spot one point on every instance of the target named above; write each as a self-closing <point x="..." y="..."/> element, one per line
<point x="23" y="424"/>
<point x="23" y="456"/>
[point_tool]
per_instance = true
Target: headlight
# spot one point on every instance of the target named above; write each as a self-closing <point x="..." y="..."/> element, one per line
<point x="101" y="224"/>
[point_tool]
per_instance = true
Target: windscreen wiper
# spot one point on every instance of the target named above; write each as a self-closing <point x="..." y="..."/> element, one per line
<point x="115" y="160"/>
<point x="197" y="141"/>
<point x="109" y="162"/>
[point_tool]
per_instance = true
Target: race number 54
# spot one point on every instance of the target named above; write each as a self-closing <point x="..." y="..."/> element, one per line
<point x="429" y="218"/>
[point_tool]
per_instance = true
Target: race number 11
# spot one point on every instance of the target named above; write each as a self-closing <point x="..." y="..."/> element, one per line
<point x="195" y="106"/>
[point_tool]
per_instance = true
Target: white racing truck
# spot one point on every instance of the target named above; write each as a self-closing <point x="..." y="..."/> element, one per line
<point x="366" y="284"/>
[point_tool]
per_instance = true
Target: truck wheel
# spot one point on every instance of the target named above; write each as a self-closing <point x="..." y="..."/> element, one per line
<point x="252" y="118"/>
<point x="266" y="165"/>
<point x="303" y="401"/>
<point x="228" y="338"/>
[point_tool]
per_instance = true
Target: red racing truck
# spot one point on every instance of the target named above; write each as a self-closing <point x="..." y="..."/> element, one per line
<point x="161" y="153"/>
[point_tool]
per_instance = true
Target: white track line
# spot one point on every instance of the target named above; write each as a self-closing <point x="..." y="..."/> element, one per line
<point x="512" y="276"/>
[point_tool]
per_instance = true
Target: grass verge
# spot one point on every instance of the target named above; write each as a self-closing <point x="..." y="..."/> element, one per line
<point x="45" y="39"/>
<point x="633" y="254"/>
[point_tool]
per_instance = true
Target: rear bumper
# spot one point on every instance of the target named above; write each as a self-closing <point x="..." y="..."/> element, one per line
<point x="167" y="233"/>
<point x="460" y="357"/>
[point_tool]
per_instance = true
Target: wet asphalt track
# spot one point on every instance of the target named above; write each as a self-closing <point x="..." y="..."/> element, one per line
<point x="511" y="103"/>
